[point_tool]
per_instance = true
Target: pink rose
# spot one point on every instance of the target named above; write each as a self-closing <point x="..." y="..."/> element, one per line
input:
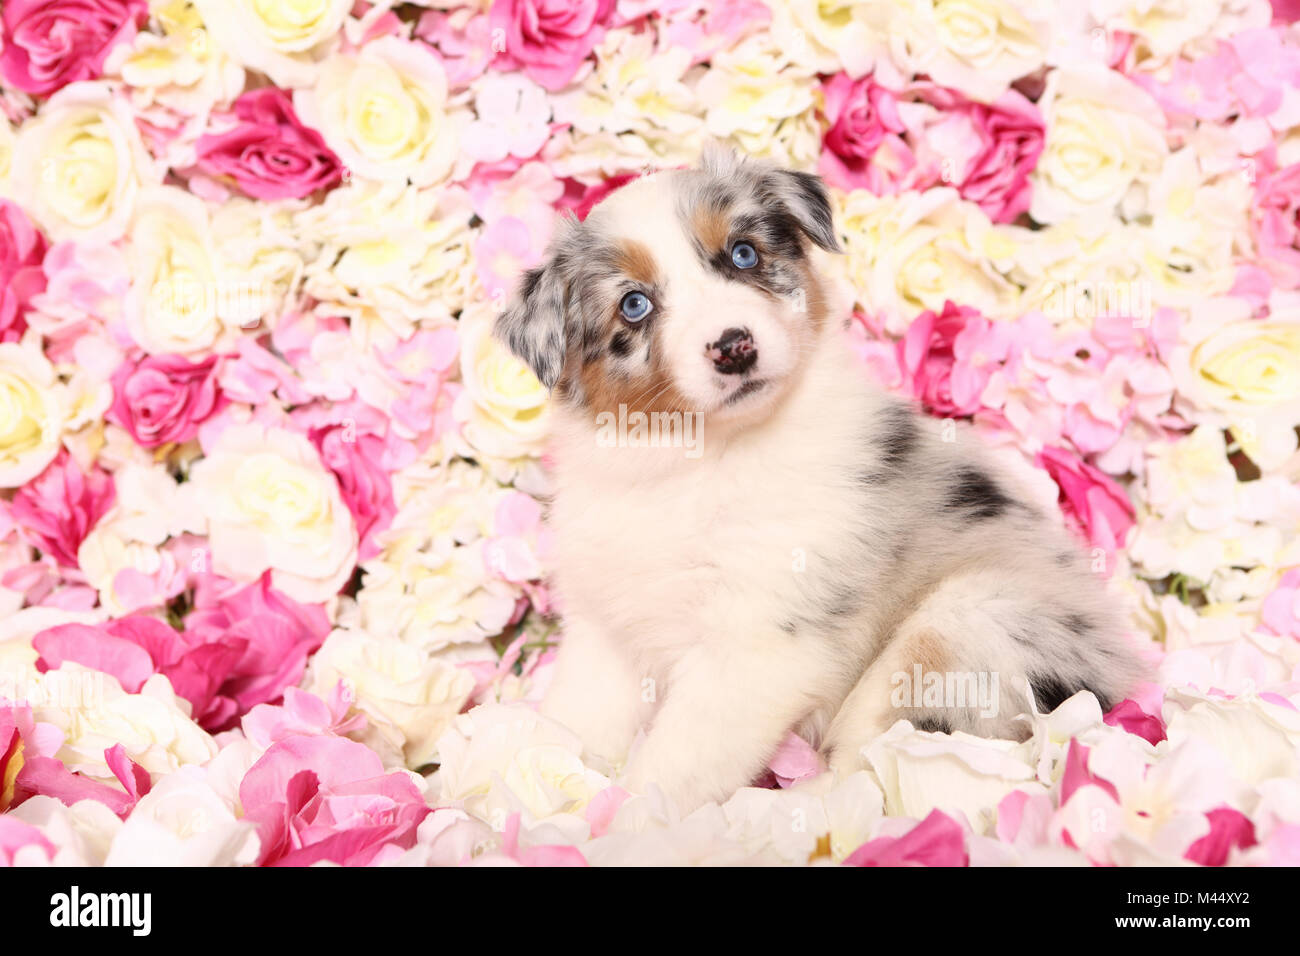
<point x="270" y="154"/>
<point x="1094" y="505"/>
<point x="998" y="146"/>
<point x="22" y="252"/>
<point x="328" y="798"/>
<point x="56" y="510"/>
<point x="51" y="43"/>
<point x="164" y="398"/>
<point x="357" y="462"/>
<point x="278" y="635"/>
<point x="926" y="355"/>
<point x="863" y="117"/>
<point x="1273" y="221"/>
<point x="549" y="39"/>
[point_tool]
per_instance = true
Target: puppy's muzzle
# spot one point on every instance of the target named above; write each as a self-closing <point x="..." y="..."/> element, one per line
<point x="734" y="353"/>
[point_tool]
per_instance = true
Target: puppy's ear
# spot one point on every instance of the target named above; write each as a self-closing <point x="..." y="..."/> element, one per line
<point x="804" y="196"/>
<point x="533" y="325"/>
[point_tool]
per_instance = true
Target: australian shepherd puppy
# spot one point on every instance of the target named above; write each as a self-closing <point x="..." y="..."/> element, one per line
<point x="812" y="546"/>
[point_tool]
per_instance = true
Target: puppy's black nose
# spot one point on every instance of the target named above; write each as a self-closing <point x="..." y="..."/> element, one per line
<point x="734" y="353"/>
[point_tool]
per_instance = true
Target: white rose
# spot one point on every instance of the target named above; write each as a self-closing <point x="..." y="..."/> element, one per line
<point x="1104" y="135"/>
<point x="827" y="36"/>
<point x="499" y="758"/>
<point x="913" y="252"/>
<point x="1164" y="27"/>
<point x="269" y="503"/>
<point x="153" y="726"/>
<point x="635" y="91"/>
<point x="183" y="821"/>
<point x="504" y="409"/>
<point x="408" y="697"/>
<point x="33" y="413"/>
<point x="180" y="302"/>
<point x="752" y="88"/>
<point x="81" y="833"/>
<point x="390" y="257"/>
<point x="977" y="46"/>
<point x="382" y="109"/>
<point x="920" y="772"/>
<point x="262" y="258"/>
<point x="285" y="39"/>
<point x="82" y="164"/>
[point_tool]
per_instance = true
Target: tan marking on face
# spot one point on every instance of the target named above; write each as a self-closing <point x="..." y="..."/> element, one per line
<point x="635" y="261"/>
<point x="711" y="227"/>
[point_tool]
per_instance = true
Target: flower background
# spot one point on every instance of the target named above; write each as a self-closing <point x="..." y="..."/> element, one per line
<point x="271" y="557"/>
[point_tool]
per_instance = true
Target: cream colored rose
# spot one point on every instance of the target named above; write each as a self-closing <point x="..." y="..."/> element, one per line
<point x="499" y="759"/>
<point x="33" y="413"/>
<point x="262" y="254"/>
<point x="390" y="257"/>
<point x="1163" y="27"/>
<point x="913" y="252"/>
<point x="827" y="36"/>
<point x="184" y="821"/>
<point x="82" y="164"/>
<point x="752" y="88"/>
<point x="285" y="39"/>
<point x="180" y="300"/>
<point x="977" y="46"/>
<point x="383" y="110"/>
<point x="504" y="409"/>
<point x="408" y="697"/>
<point x="270" y="504"/>
<point x="637" y="104"/>
<point x="1104" y="135"/>
<point x="153" y="726"/>
<point x="1247" y="369"/>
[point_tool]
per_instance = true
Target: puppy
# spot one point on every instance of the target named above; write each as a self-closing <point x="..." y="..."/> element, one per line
<point x="817" y="549"/>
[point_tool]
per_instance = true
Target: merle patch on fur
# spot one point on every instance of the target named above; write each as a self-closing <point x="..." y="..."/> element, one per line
<point x="977" y="495"/>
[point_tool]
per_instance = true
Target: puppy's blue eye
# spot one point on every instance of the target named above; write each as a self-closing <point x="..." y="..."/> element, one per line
<point x="744" y="256"/>
<point x="635" y="306"/>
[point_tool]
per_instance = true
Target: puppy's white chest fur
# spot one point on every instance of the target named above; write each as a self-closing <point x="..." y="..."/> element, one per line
<point x="672" y="551"/>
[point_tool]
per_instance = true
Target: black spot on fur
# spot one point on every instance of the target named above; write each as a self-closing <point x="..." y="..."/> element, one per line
<point x="898" y="437"/>
<point x="621" y="343"/>
<point x="977" y="496"/>
<point x="933" y="724"/>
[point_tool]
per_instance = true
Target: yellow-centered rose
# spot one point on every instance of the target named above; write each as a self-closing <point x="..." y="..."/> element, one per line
<point x="82" y="164"/>
<point x="285" y="39"/>
<point x="271" y="504"/>
<point x="382" y="109"/>
<point x="32" y="414"/>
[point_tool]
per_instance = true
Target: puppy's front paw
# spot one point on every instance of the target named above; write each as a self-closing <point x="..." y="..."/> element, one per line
<point x="845" y="759"/>
<point x="685" y="791"/>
